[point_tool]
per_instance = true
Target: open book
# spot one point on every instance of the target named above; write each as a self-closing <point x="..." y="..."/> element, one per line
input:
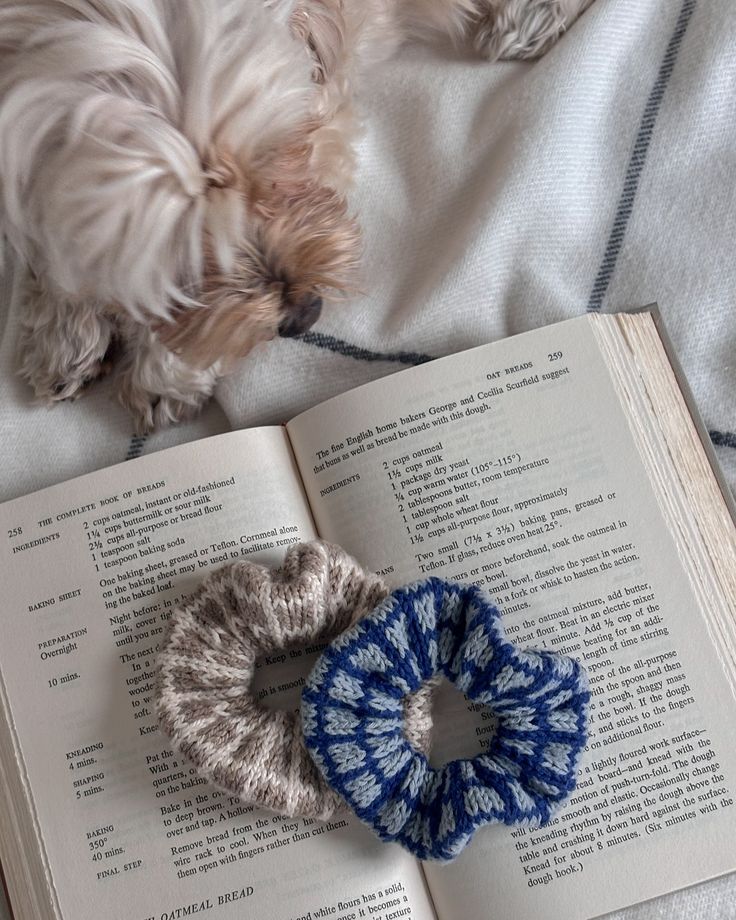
<point x="561" y="468"/>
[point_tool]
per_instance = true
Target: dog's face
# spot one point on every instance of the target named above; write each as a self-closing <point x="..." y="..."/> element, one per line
<point x="297" y="245"/>
<point x="157" y="157"/>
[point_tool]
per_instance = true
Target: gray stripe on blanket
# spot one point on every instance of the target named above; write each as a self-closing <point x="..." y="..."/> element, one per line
<point x="135" y="448"/>
<point x="723" y="438"/>
<point x="341" y="347"/>
<point x="638" y="159"/>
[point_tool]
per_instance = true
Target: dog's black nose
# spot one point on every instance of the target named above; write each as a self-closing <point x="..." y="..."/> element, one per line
<point x="300" y="315"/>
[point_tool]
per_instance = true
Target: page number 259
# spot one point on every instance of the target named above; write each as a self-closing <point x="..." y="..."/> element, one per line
<point x="554" y="356"/>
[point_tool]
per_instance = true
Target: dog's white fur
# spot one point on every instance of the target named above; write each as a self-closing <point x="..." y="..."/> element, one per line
<point x="173" y="172"/>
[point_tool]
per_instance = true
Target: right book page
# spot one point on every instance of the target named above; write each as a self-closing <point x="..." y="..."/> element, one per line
<point x="514" y="466"/>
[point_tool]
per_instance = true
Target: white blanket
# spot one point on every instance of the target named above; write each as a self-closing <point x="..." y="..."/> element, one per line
<point x="495" y="199"/>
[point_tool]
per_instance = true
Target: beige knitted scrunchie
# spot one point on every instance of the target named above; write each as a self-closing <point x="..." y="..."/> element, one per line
<point x="207" y="664"/>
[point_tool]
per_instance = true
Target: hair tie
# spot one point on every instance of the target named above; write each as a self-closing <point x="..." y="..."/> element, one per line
<point x="206" y="667"/>
<point x="352" y="720"/>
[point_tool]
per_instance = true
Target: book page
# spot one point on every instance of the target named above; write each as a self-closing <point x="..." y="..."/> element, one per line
<point x="512" y="466"/>
<point x="91" y="572"/>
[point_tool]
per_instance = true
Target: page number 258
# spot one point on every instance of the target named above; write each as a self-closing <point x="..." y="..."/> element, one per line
<point x="14" y="532"/>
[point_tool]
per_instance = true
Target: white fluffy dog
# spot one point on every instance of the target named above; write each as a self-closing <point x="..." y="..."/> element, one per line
<point x="173" y="172"/>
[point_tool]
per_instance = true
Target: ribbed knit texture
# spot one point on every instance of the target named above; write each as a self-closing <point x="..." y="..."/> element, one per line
<point x="207" y="664"/>
<point x="353" y="722"/>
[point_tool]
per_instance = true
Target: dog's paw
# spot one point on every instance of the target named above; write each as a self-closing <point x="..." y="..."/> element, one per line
<point x="66" y="385"/>
<point x="153" y="412"/>
<point x="58" y="371"/>
<point x="64" y="344"/>
<point x="522" y="29"/>
<point x="157" y="387"/>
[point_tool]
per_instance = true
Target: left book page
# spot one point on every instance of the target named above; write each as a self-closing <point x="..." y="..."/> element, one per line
<point x="91" y="571"/>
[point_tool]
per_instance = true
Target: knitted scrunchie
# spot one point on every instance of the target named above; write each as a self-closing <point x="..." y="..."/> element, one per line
<point x="352" y="720"/>
<point x="207" y="663"/>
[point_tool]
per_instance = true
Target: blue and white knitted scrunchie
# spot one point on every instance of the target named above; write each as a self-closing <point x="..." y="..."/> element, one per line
<point x="352" y="717"/>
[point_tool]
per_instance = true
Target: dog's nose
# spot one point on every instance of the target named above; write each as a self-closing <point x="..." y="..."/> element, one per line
<point x="300" y="315"/>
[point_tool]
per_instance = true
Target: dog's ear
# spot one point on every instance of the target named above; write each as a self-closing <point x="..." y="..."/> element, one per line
<point x="320" y="25"/>
<point x="126" y="130"/>
<point x="223" y="331"/>
<point x="225" y="326"/>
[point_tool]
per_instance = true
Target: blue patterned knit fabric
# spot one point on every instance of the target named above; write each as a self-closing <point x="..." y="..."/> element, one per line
<point x="352" y="715"/>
